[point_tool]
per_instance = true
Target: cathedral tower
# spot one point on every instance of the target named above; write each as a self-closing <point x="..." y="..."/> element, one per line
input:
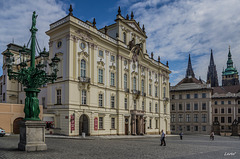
<point x="230" y="74"/>
<point x="189" y="72"/>
<point x="212" y="73"/>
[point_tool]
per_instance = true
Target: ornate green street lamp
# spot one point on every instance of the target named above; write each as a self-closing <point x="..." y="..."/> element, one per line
<point x="32" y="77"/>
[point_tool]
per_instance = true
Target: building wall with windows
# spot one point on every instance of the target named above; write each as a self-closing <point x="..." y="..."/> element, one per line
<point x="226" y="106"/>
<point x="107" y="83"/>
<point x="191" y="108"/>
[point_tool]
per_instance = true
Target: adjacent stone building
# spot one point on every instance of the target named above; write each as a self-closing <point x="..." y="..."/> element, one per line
<point x="191" y="105"/>
<point x="225" y="108"/>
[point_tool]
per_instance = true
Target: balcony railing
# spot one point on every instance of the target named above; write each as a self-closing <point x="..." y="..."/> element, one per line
<point x="126" y="90"/>
<point x="84" y="79"/>
<point x="136" y="92"/>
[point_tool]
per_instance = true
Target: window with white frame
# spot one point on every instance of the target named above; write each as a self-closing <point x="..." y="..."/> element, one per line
<point x="180" y="117"/>
<point x="124" y="38"/>
<point x="112" y="79"/>
<point x="188" y="117"/>
<point x="150" y="74"/>
<point x="100" y="122"/>
<point x="125" y="81"/>
<point x="112" y="101"/>
<point x="134" y="83"/>
<point x="150" y="89"/>
<point x="195" y="117"/>
<point x="156" y="76"/>
<point x="204" y="118"/>
<point x="142" y="105"/>
<point x="125" y="103"/>
<point x="135" y="104"/>
<point x="164" y="92"/>
<point x="156" y="108"/>
<point x="84" y="96"/>
<point x="156" y="122"/>
<point x="172" y="117"/>
<point x="142" y="87"/>
<point x="83" y="68"/>
<point x="112" y="58"/>
<point x="100" y="53"/>
<point x="59" y="96"/>
<point x="100" y="75"/>
<point x="150" y="107"/>
<point x="100" y="100"/>
<point x="150" y="123"/>
<point x="112" y="123"/>
<point x="156" y="91"/>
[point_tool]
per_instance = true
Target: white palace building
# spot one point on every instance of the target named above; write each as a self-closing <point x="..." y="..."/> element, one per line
<point x="107" y="83"/>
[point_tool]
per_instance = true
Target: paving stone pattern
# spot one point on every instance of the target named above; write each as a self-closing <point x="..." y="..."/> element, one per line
<point x="191" y="147"/>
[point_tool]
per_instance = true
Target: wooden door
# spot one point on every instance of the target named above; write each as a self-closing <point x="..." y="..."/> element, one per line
<point x="126" y="129"/>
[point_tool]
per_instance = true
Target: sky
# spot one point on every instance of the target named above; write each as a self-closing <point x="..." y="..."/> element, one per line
<point x="175" y="28"/>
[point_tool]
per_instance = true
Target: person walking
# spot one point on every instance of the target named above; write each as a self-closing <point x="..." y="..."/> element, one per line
<point x="181" y="135"/>
<point x="212" y="136"/>
<point x="163" y="138"/>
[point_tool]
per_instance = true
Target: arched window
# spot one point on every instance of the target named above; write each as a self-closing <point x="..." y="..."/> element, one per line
<point x="83" y="68"/>
<point x="84" y="97"/>
<point x="134" y="83"/>
<point x="124" y="38"/>
<point x="125" y="81"/>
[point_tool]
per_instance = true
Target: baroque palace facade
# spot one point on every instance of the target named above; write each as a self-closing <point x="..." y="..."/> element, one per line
<point x="107" y="83"/>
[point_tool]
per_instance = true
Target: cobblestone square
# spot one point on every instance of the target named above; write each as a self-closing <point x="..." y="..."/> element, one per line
<point x="191" y="147"/>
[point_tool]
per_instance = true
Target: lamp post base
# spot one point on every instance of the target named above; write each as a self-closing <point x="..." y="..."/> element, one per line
<point x="32" y="136"/>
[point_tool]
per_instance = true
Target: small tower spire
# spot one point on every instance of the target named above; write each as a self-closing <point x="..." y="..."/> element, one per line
<point x="167" y="63"/>
<point x="132" y="15"/>
<point x="143" y="28"/>
<point x="151" y="55"/>
<point x="105" y="29"/>
<point x="70" y="10"/>
<point x="119" y="10"/>
<point x="158" y="58"/>
<point x="127" y="17"/>
<point x="189" y="72"/>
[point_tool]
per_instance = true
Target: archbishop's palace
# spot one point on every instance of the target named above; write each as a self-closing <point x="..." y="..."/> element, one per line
<point x="108" y="84"/>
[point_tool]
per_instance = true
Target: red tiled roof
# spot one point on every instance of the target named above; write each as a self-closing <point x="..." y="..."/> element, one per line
<point x="226" y="89"/>
<point x="190" y="80"/>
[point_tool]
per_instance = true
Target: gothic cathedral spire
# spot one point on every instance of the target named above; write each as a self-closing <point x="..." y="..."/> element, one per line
<point x="212" y="72"/>
<point x="189" y="72"/>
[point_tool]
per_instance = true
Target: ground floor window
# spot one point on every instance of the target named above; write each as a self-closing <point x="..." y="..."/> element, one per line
<point x="150" y="123"/>
<point x="173" y="128"/>
<point x="113" y="123"/>
<point x="195" y="128"/>
<point x="100" y="122"/>
<point x="203" y="128"/>
<point x="156" y="123"/>
<point x="188" y="128"/>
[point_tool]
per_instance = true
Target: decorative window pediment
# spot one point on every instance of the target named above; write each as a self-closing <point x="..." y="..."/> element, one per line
<point x="101" y="63"/>
<point x="83" y="53"/>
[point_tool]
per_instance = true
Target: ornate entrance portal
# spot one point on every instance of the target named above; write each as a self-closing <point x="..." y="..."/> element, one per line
<point x="137" y="122"/>
<point x="83" y="125"/>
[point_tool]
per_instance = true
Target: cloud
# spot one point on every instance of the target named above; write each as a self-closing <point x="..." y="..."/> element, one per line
<point x="16" y="17"/>
<point x="176" y="28"/>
